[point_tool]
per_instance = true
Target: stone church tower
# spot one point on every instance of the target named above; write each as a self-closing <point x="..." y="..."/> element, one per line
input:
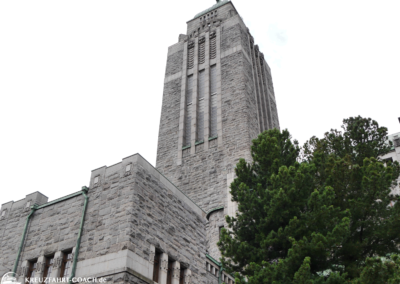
<point x="218" y="96"/>
<point x="136" y="224"/>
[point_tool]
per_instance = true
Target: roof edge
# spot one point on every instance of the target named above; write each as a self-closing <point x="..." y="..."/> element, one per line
<point x="219" y="4"/>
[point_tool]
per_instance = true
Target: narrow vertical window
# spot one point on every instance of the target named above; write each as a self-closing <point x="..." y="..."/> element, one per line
<point x="169" y="272"/>
<point x="156" y="267"/>
<point x="213" y="45"/>
<point x="66" y="265"/>
<point x="188" y="116"/>
<point x="31" y="272"/>
<point x="202" y="50"/>
<point x="190" y="55"/>
<point x="200" y="107"/>
<point x="213" y="101"/>
<point x="182" y="275"/>
<point x="47" y="269"/>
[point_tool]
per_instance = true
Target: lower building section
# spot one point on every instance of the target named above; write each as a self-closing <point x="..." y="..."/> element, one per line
<point x="131" y="225"/>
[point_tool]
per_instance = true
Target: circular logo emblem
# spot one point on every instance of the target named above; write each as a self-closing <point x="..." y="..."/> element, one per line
<point x="9" y="278"/>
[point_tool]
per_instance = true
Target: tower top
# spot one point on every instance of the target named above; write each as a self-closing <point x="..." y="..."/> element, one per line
<point x="219" y="3"/>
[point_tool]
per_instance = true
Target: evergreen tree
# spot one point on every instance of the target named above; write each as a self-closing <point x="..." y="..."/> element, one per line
<point x="324" y="210"/>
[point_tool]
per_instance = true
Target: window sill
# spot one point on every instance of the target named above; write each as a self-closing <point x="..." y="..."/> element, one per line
<point x="199" y="142"/>
<point x="212" y="138"/>
<point x="186" y="147"/>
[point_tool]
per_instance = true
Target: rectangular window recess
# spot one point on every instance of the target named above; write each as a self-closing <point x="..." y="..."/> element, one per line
<point x="199" y="142"/>
<point x="213" y="94"/>
<point x="212" y="138"/>
<point x="185" y="147"/>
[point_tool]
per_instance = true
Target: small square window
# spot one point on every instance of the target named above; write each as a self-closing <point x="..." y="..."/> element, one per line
<point x="28" y="204"/>
<point x="96" y="180"/>
<point x="128" y="167"/>
<point x="3" y="213"/>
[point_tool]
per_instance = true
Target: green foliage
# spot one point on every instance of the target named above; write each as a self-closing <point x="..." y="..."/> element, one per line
<point x="379" y="270"/>
<point x="305" y="211"/>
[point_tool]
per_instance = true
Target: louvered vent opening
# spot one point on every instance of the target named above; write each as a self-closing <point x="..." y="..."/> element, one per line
<point x="190" y="55"/>
<point x="213" y="46"/>
<point x="188" y="116"/>
<point x="213" y="101"/>
<point x="202" y="50"/>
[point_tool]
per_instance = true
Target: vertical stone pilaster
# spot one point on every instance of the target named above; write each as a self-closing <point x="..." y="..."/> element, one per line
<point x="231" y="205"/>
<point x="207" y="92"/>
<point x="193" y="128"/>
<point x="257" y="99"/>
<point x="151" y="260"/>
<point x="260" y="87"/>
<point x="267" y="123"/>
<point x="24" y="271"/>
<point x="41" y="263"/>
<point x="266" y="93"/>
<point x="162" y="277"/>
<point x="219" y="88"/>
<point x="182" y="105"/>
<point x="187" y="274"/>
<point x="176" y="267"/>
<point x="56" y="271"/>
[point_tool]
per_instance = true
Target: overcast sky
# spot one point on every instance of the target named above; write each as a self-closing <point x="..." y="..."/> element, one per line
<point x="81" y="82"/>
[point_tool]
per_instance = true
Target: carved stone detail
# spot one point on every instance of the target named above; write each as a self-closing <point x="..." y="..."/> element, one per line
<point x="187" y="279"/>
<point x="40" y="267"/>
<point x="57" y="262"/>
<point x="164" y="265"/>
<point x="191" y="44"/>
<point x="213" y="34"/>
<point x="151" y="257"/>
<point x="202" y="40"/>
<point x="176" y="273"/>
<point x="24" y="271"/>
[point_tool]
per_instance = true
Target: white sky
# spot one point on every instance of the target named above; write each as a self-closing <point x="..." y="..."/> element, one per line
<point x="81" y="82"/>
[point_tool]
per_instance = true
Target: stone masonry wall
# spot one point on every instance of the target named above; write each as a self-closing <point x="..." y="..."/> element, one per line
<point x="12" y="227"/>
<point x="174" y="63"/>
<point x="215" y="221"/>
<point x="131" y="210"/>
<point x="169" y="125"/>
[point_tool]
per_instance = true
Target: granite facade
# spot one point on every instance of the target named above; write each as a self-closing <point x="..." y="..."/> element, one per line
<point x="136" y="212"/>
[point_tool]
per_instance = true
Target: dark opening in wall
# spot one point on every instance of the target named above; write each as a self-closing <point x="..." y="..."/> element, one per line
<point x="170" y="270"/>
<point x="48" y="267"/>
<point x="156" y="268"/>
<point x="66" y="265"/>
<point x="32" y="266"/>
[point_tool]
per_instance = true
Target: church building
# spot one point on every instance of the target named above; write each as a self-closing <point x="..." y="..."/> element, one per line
<point x="136" y="223"/>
